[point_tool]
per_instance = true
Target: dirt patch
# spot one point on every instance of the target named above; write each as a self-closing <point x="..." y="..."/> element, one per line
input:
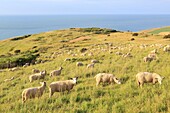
<point x="80" y="39"/>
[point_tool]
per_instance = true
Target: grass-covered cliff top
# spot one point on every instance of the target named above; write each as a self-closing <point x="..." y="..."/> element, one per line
<point x="48" y="50"/>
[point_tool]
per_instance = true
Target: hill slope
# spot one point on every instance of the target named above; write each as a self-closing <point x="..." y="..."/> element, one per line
<point x="55" y="46"/>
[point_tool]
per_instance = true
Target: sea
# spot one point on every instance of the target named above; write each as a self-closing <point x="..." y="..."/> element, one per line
<point x="18" y="25"/>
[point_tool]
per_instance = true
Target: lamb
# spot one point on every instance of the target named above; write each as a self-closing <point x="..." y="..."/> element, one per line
<point x="33" y="92"/>
<point x="106" y="78"/>
<point x="144" y="77"/>
<point x="91" y="65"/>
<point x="36" y="76"/>
<point x="35" y="71"/>
<point x="9" y="79"/>
<point x="61" y="86"/>
<point x="56" y="72"/>
<point x="166" y="48"/>
<point x="79" y="64"/>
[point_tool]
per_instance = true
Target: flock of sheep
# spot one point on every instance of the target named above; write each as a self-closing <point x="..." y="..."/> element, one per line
<point x="67" y="85"/>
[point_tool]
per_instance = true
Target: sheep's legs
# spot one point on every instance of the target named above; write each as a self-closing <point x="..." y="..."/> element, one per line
<point x="51" y="93"/>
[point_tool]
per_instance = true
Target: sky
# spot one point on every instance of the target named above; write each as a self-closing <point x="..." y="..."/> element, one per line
<point x="54" y="7"/>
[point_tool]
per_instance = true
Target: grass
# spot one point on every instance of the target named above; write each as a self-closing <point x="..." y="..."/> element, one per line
<point x="157" y="31"/>
<point x="85" y="96"/>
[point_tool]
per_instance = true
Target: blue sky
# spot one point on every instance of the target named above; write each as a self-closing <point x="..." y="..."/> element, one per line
<point x="43" y="7"/>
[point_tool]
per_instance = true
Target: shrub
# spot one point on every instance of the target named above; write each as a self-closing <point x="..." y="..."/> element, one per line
<point x="166" y="36"/>
<point x="135" y="34"/>
<point x="17" y="51"/>
<point x="20" y="37"/>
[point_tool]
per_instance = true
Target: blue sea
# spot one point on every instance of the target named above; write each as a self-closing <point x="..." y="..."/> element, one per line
<point x="11" y="26"/>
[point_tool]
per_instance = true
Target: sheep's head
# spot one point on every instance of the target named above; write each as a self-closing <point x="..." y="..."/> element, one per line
<point x="43" y="83"/>
<point x="158" y="78"/>
<point x="61" y="68"/>
<point x="74" y="80"/>
<point x="117" y="80"/>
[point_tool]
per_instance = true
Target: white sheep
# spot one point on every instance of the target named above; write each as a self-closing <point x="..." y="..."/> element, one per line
<point x="9" y="79"/>
<point x="33" y="92"/>
<point x="67" y="59"/>
<point x="155" y="51"/>
<point x="56" y="72"/>
<point x="143" y="77"/>
<point x="91" y="65"/>
<point x="94" y="61"/>
<point x="36" y="76"/>
<point x="26" y="64"/>
<point x="35" y="71"/>
<point x="153" y="56"/>
<point x="79" y="64"/>
<point x="166" y="48"/>
<point x="61" y="86"/>
<point x="106" y="78"/>
<point x="14" y="69"/>
<point x="147" y="59"/>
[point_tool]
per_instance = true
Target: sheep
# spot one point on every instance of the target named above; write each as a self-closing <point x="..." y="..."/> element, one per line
<point x="154" y="51"/>
<point x="144" y="77"/>
<point x="127" y="55"/>
<point x="79" y="64"/>
<point x="9" y="79"/>
<point x="153" y="56"/>
<point x="36" y="76"/>
<point x="26" y="64"/>
<point x="33" y="92"/>
<point x="147" y="59"/>
<point x="67" y="59"/>
<point x="14" y="69"/>
<point x="94" y="61"/>
<point x="91" y="65"/>
<point x="35" y="71"/>
<point x="61" y="86"/>
<point x="56" y="72"/>
<point x="166" y="48"/>
<point x="106" y="77"/>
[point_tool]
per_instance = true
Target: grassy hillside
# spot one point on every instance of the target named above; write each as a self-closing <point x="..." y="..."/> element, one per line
<point x="163" y="30"/>
<point x="55" y="46"/>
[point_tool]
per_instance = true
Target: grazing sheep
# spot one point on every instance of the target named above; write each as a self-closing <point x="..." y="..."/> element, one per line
<point x="153" y="56"/>
<point x="67" y="59"/>
<point x="94" y="61"/>
<point x="9" y="79"/>
<point x="127" y="55"/>
<point x="33" y="92"/>
<point x="79" y="64"/>
<point x="36" y="76"/>
<point x="143" y="77"/>
<point x="35" y="71"/>
<point x="26" y="64"/>
<point x="14" y="69"/>
<point x="147" y="59"/>
<point x="56" y="72"/>
<point x="106" y="78"/>
<point x="154" y="51"/>
<point x="166" y="48"/>
<point x="90" y="65"/>
<point x="119" y="53"/>
<point x="61" y="86"/>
